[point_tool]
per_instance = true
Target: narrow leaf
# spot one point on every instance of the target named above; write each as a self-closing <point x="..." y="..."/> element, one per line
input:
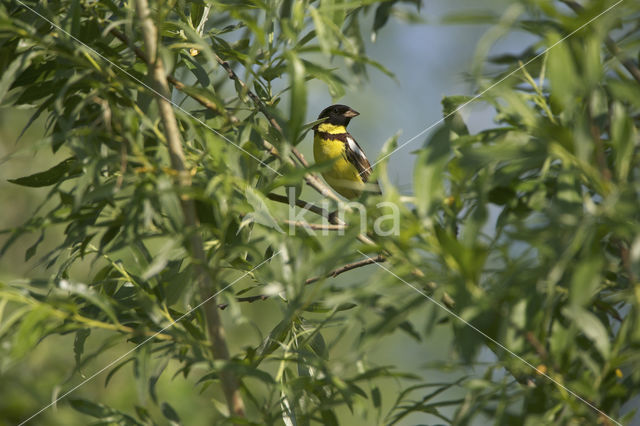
<point x="46" y="178"/>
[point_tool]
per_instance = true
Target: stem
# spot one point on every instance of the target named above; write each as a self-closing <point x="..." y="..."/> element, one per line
<point x="163" y="95"/>
<point x="332" y="274"/>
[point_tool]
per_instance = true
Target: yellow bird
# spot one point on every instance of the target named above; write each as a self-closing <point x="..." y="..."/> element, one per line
<point x="351" y="169"/>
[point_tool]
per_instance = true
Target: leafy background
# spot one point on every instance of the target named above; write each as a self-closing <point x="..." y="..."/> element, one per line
<point x="533" y="232"/>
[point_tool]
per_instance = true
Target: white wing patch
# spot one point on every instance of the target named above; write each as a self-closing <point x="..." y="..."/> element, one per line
<point x="355" y="148"/>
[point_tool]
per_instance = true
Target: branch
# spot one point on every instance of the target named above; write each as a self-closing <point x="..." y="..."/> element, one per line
<point x="155" y="67"/>
<point x="332" y="274"/>
<point x="315" y="226"/>
<point x="332" y="218"/>
<point x="348" y="267"/>
<point x="611" y="45"/>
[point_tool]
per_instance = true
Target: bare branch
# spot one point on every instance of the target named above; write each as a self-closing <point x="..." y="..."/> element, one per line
<point x="331" y="274"/>
<point x="348" y="267"/>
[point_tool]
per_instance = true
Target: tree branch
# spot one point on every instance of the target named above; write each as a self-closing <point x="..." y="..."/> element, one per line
<point x="332" y="274"/>
<point x="332" y="218"/>
<point x="163" y="95"/>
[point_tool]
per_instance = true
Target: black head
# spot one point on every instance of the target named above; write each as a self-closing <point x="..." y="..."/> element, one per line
<point x="338" y="115"/>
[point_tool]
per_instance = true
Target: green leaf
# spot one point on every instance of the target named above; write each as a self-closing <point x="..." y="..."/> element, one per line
<point x="32" y="249"/>
<point x="381" y="17"/>
<point x="155" y="376"/>
<point x="563" y="75"/>
<point x="318" y="345"/>
<point x="198" y="71"/>
<point x="89" y="294"/>
<point x="298" y="102"/>
<point x="91" y="408"/>
<point x="355" y="45"/>
<point x="275" y="337"/>
<point x="322" y="32"/>
<point x="624" y="137"/>
<point x="328" y="76"/>
<point x="170" y="413"/>
<point x="78" y="344"/>
<point x="428" y="175"/>
<point x="48" y="177"/>
<point x="454" y="120"/>
<point x="329" y="418"/>
<point x="376" y="397"/>
<point x="260" y="213"/>
<point x="33" y="327"/>
<point x="14" y="69"/>
<point x="591" y="327"/>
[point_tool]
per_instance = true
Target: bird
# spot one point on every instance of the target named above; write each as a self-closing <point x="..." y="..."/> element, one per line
<point x="350" y="171"/>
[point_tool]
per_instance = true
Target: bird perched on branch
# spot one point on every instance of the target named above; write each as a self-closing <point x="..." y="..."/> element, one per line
<point x="350" y="172"/>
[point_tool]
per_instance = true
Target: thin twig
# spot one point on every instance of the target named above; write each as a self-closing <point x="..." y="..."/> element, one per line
<point x="214" y="326"/>
<point x="348" y="267"/>
<point x="332" y="274"/>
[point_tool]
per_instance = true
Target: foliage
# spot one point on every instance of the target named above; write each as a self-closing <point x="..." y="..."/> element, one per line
<point x="527" y="230"/>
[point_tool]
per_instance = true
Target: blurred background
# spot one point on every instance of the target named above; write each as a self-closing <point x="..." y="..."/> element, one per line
<point x="430" y="59"/>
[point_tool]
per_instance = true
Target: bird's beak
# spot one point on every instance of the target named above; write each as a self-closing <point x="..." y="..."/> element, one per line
<point x="351" y="113"/>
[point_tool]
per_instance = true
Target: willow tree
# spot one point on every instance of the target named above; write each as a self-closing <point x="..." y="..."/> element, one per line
<point x="179" y="124"/>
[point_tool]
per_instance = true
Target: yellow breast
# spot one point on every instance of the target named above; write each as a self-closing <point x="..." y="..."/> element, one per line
<point x="343" y="176"/>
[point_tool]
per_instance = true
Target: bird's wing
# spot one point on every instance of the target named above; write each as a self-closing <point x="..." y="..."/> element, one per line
<point x="355" y="155"/>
